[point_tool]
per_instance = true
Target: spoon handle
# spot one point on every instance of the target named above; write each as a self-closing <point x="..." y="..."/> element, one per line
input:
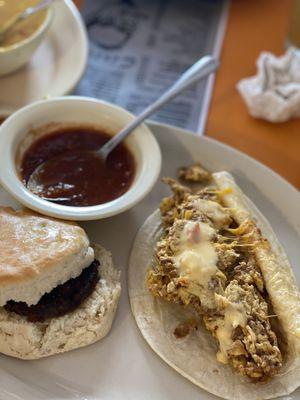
<point x="203" y="67"/>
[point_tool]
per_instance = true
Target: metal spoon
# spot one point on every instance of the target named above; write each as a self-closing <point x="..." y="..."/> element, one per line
<point x="203" y="67"/>
<point x="23" y="15"/>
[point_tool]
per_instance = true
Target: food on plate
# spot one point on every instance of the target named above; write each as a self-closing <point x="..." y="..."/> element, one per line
<point x="57" y="291"/>
<point x="22" y="30"/>
<point x="194" y="174"/>
<point x="216" y="259"/>
<point x="75" y="172"/>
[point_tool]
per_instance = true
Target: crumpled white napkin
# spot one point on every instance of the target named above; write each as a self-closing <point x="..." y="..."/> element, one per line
<point x="274" y="93"/>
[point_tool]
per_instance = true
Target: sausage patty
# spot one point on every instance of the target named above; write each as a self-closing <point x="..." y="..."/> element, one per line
<point x="62" y="299"/>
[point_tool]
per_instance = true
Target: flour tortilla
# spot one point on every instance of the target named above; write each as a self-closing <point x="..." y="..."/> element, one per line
<point x="194" y="356"/>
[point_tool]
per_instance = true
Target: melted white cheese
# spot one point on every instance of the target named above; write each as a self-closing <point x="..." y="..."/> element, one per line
<point x="196" y="257"/>
<point x="235" y="315"/>
<point x="213" y="210"/>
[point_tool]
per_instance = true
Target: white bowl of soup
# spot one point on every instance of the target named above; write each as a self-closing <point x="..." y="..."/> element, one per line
<point x="21" y="41"/>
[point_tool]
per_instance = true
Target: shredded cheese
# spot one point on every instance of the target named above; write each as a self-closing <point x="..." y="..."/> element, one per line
<point x="235" y="315"/>
<point x="213" y="210"/>
<point x="196" y="257"/>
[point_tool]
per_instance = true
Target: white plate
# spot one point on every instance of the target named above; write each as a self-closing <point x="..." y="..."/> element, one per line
<point x="57" y="65"/>
<point x="122" y="366"/>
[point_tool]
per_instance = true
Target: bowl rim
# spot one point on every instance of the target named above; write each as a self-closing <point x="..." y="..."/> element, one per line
<point x="41" y="29"/>
<point x="12" y="184"/>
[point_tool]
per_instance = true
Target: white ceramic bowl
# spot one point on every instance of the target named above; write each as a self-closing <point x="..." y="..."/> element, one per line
<point x="110" y="118"/>
<point x="15" y="56"/>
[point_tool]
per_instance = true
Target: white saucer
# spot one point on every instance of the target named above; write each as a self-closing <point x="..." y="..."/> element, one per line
<point x="57" y="65"/>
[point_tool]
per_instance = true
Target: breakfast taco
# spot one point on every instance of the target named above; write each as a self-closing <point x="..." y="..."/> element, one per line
<point x="213" y="292"/>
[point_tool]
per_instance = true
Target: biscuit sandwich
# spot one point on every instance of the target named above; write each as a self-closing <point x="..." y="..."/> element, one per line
<point x="57" y="291"/>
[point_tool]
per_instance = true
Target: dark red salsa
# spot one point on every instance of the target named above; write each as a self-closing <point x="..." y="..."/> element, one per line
<point x="75" y="173"/>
